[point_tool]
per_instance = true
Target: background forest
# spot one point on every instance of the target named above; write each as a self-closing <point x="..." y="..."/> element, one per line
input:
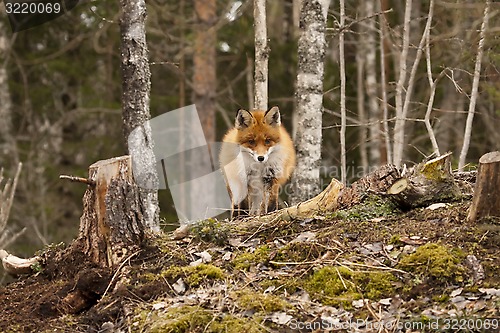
<point x="60" y="89"/>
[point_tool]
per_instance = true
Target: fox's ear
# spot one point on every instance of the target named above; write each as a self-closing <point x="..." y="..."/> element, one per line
<point x="272" y="116"/>
<point x="243" y="119"/>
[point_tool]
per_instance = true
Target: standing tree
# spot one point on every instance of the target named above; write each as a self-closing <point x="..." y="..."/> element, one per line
<point x="204" y="76"/>
<point x="9" y="145"/>
<point x="136" y="77"/>
<point x="309" y="98"/>
<point x="475" y="87"/>
<point x="261" y="55"/>
<point x="343" y="116"/>
<point x="374" y="142"/>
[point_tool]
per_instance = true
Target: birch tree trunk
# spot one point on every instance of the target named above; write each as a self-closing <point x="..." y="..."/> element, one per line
<point x="343" y="115"/>
<point x="136" y="87"/>
<point x="261" y="55"/>
<point x="6" y="135"/>
<point x="383" y="81"/>
<point x="475" y="87"/>
<point x="399" y="135"/>
<point x="374" y="138"/>
<point x="309" y="98"/>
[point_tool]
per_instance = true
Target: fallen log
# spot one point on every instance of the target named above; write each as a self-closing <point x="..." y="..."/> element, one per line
<point x="17" y="266"/>
<point x="429" y="181"/>
<point x="486" y="199"/>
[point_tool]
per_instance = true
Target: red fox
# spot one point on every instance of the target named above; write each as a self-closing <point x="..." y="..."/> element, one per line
<point x="257" y="157"/>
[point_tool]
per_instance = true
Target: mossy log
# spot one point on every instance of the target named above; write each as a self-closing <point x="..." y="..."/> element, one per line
<point x="486" y="200"/>
<point x="335" y="196"/>
<point x="429" y="181"/>
<point x="111" y="225"/>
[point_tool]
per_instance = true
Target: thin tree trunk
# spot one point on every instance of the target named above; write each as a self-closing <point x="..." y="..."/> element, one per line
<point x="398" y="144"/>
<point x="371" y="85"/>
<point x="383" y="83"/>
<point x="204" y="61"/>
<point x="309" y="99"/>
<point x="136" y="78"/>
<point x="360" y="97"/>
<point x="475" y="87"/>
<point x="204" y="93"/>
<point x="433" y="86"/>
<point x="261" y="55"/>
<point x="6" y="134"/>
<point x="343" y="116"/>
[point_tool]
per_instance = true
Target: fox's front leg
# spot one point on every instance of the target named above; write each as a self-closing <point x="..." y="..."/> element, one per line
<point x="271" y="195"/>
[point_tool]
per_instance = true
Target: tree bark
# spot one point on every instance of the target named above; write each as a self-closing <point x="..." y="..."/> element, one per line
<point x="486" y="200"/>
<point x="309" y="99"/>
<point x="112" y="224"/>
<point x="136" y="78"/>
<point x="261" y="55"/>
<point x="343" y="114"/>
<point x="6" y="135"/>
<point x="374" y="138"/>
<point x="204" y="91"/>
<point x="399" y="138"/>
<point x="204" y="62"/>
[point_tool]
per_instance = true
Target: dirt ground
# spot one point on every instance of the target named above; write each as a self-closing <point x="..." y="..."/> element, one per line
<point x="295" y="277"/>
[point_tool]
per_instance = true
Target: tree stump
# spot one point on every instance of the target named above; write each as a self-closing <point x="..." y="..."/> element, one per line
<point x="111" y="225"/>
<point x="486" y="200"/>
<point x="428" y="182"/>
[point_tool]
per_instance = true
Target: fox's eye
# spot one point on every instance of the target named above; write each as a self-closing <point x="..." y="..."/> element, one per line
<point x="251" y="142"/>
<point x="267" y="142"/>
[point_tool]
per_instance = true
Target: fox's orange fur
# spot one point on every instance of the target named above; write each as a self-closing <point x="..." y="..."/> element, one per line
<point x="257" y="157"/>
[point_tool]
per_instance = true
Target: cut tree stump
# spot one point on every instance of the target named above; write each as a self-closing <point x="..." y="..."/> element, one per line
<point x="428" y="182"/>
<point x="486" y="200"/>
<point x="111" y="226"/>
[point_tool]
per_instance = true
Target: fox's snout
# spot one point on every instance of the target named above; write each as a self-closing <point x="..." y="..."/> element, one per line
<point x="261" y="158"/>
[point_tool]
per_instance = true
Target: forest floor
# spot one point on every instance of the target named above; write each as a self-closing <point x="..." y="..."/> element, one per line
<point x="370" y="269"/>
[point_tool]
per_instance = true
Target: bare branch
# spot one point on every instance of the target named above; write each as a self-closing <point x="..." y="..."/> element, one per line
<point x="7" y="197"/>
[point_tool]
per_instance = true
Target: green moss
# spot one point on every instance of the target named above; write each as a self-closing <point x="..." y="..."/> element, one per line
<point x="230" y="323"/>
<point x="298" y="252"/>
<point x="211" y="230"/>
<point x="246" y="259"/>
<point x="250" y="300"/>
<point x="434" y="261"/>
<point x="192" y="275"/>
<point x="371" y="207"/>
<point x="395" y="239"/>
<point x="335" y="285"/>
<point x="184" y="319"/>
<point x="443" y="298"/>
<point x="290" y="285"/>
<point x="177" y="320"/>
